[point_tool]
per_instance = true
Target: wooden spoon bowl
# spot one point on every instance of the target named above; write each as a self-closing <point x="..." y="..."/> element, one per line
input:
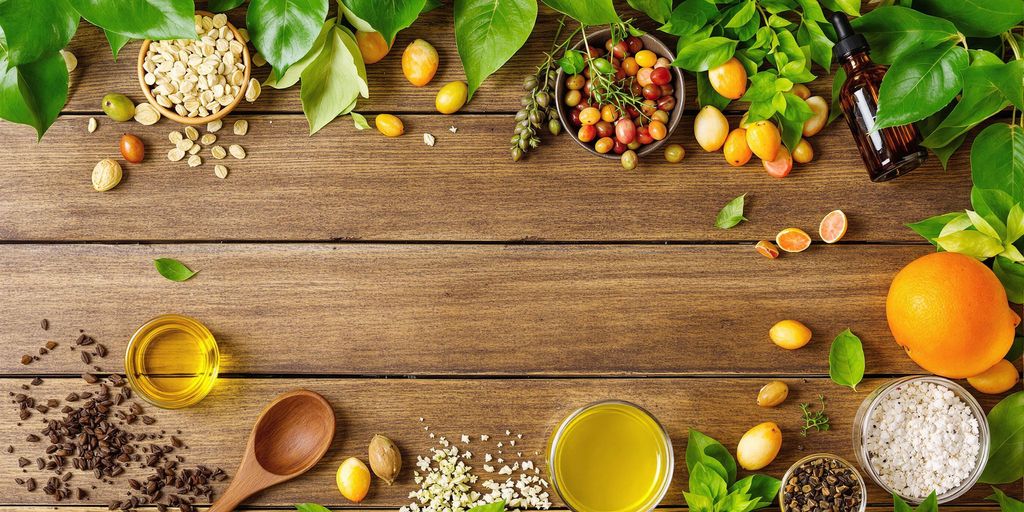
<point x="291" y="435"/>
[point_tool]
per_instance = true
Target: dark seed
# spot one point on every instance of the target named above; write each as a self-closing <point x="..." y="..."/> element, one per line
<point x="26" y="359"/>
<point x="45" y="324"/>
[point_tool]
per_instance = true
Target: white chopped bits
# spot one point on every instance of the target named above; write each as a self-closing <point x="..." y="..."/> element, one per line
<point x="508" y="432"/>
<point x="453" y="129"/>
<point x="488" y="468"/>
<point x="512" y="442"/>
<point x="487" y="457"/>
<point x="465" y="439"/>
<point x="484" y="437"/>
<point x="428" y="139"/>
<point x="922" y="437"/>
<point x="92" y="125"/>
<point x="505" y="470"/>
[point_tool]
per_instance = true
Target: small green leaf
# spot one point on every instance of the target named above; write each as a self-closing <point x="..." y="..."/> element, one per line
<point x="899" y="505"/>
<point x="930" y="504"/>
<point x="116" y="41"/>
<point x="1006" y="441"/>
<point x="851" y="7"/>
<point x="705" y="54"/>
<point x="707" y="482"/>
<point x="311" y="507"/>
<point x="284" y="30"/>
<point x="931" y="227"/>
<point x="658" y="10"/>
<point x="971" y="243"/>
<point x="704" y="449"/>
<point x="846" y="360"/>
<point x="587" y="12"/>
<point x="689" y="17"/>
<point x="173" y="269"/>
<point x="731" y="214"/>
<point x="359" y="120"/>
<point x="835" y="109"/>
<point x="386" y="16"/>
<point x="956" y="224"/>
<point x="572" y="62"/>
<point x="982" y="225"/>
<point x="918" y="85"/>
<point x="743" y="15"/>
<point x="141" y="19"/>
<point x="1006" y="503"/>
<point x="489" y="32"/>
<point x="497" y="506"/>
<point x="1015" y="223"/>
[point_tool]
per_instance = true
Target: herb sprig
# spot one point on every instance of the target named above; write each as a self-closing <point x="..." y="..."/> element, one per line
<point x="814" y="420"/>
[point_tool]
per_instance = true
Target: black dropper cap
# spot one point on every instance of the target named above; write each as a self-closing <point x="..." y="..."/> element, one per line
<point x="850" y="42"/>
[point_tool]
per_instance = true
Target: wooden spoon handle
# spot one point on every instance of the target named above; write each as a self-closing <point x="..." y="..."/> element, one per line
<point x="241" y="488"/>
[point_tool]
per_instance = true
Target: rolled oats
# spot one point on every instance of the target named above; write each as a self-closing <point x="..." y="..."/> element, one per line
<point x="241" y="127"/>
<point x="220" y="171"/>
<point x="195" y="149"/>
<point x="236" y="151"/>
<point x="195" y="161"/>
<point x="146" y="114"/>
<point x="185" y="144"/>
<point x="191" y="133"/>
<point x="218" y="152"/>
<point x="207" y="139"/>
<point x="175" y="155"/>
<point x="175" y="137"/>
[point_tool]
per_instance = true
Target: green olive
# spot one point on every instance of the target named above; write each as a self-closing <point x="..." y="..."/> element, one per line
<point x="118" y="107"/>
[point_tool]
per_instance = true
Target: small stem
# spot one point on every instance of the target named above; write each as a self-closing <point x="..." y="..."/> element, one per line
<point x="1012" y="42"/>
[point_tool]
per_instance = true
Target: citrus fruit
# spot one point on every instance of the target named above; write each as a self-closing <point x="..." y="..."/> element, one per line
<point x="353" y="479"/>
<point x="764" y="140"/>
<point x="949" y="312"/>
<point x="735" y="149"/>
<point x="729" y="79"/>
<point x="790" y="334"/>
<point x="803" y="152"/>
<point x="710" y="128"/>
<point x="767" y="249"/>
<point x="781" y="166"/>
<point x="793" y="240"/>
<point x="998" y="379"/>
<point x="833" y="227"/>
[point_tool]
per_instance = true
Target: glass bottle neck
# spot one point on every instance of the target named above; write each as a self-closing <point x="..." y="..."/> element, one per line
<point x="857" y="62"/>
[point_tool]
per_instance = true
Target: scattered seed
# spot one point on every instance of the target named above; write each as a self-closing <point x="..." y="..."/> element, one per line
<point x="241" y="127"/>
<point x="195" y="149"/>
<point x="175" y="154"/>
<point x="253" y="91"/>
<point x="191" y="133"/>
<point x="207" y="139"/>
<point x="218" y="152"/>
<point x="26" y="359"/>
<point x="92" y="125"/>
<point x="259" y="60"/>
<point x="146" y="114"/>
<point x="185" y="144"/>
<point x="214" y="126"/>
<point x="175" y="137"/>
<point x="453" y="129"/>
<point x="236" y="151"/>
<point x="45" y="324"/>
<point x="90" y="378"/>
<point x="195" y="161"/>
<point x="220" y="171"/>
<point x="50" y="345"/>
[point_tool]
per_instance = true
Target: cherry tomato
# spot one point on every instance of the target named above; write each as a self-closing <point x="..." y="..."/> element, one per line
<point x="575" y="82"/>
<point x="657" y="130"/>
<point x="635" y="88"/>
<point x="132" y="148"/>
<point x="604" y="129"/>
<point x="660" y="115"/>
<point x="634" y="145"/>
<point x="662" y="63"/>
<point x="667" y="90"/>
<point x="643" y="134"/>
<point x="573" y="98"/>
<point x="619" y="148"/>
<point x="609" y="113"/>
<point x="643" y="77"/>
<point x="661" y="76"/>
<point x="629" y="160"/>
<point x="625" y="130"/>
<point x="587" y="133"/>
<point x="667" y="103"/>
<point x="620" y="49"/>
<point x="630" y="66"/>
<point x="674" y="153"/>
<point x="594" y="52"/>
<point x="646" y="58"/>
<point x="590" y="116"/>
<point x="631" y="111"/>
<point x="652" y="92"/>
<point x="634" y="43"/>
<point x="649" y="107"/>
<point x="574" y="118"/>
<point x="604" y="145"/>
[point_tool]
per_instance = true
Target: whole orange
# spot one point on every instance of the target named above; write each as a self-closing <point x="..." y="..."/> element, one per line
<point x="949" y="312"/>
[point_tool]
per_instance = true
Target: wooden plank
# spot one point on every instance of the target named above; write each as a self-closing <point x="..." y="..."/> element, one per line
<point x="215" y="430"/>
<point x="351" y="185"/>
<point x="98" y="74"/>
<point x="460" y="309"/>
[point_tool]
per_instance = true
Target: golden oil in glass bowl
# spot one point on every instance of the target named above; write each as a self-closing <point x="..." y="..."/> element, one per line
<point x="172" y="361"/>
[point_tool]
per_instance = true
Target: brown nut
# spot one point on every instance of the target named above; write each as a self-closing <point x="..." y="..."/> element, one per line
<point x="385" y="459"/>
<point x="106" y="175"/>
<point x="772" y="394"/>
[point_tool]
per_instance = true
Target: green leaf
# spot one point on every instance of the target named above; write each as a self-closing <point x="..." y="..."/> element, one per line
<point x="311" y="507"/>
<point x="430" y="5"/>
<point x="141" y="19"/>
<point x="223" y="5"/>
<point x="386" y="16"/>
<point x="1016" y="349"/>
<point x="572" y="62"/>
<point x="284" y="30"/>
<point x="810" y="34"/>
<point x="706" y="450"/>
<point x="812" y="10"/>
<point x="851" y="7"/>
<point x="958" y="223"/>
<point x="993" y="205"/>
<point x="707" y="95"/>
<point x="1006" y="441"/>
<point x="1011" y="83"/>
<point x="697" y="502"/>
<point x="997" y="160"/>
<point x="359" y="120"/>
<point x="919" y="85"/>
<point x="33" y="93"/>
<point x="333" y="80"/>
<point x="489" y="32"/>
<point x="1015" y="223"/>
<point x="946" y="152"/>
<point x="34" y="28"/>
<point x="705" y="54"/>
<point x="587" y="12"/>
<point x="983" y="225"/>
<point x="976" y="18"/>
<point x="743" y="14"/>
<point x="762" y="487"/>
<point x="294" y="73"/>
<point x="658" y="10"/>
<point x="931" y="227"/>
<point x="971" y="243"/>
<point x="116" y="41"/>
<point x="689" y="16"/>
<point x="731" y="214"/>
<point x="894" y="32"/>
<point x="762" y="86"/>
<point x="899" y="505"/>
<point x="497" y="506"/>
<point x="981" y="99"/>
<point x="1011" y="274"/>
<point x="846" y="360"/>
<point x="930" y="504"/>
<point x="707" y="482"/>
<point x="173" y="269"/>
<point x="791" y="122"/>
<point x="835" y="108"/>
<point x="1006" y="503"/>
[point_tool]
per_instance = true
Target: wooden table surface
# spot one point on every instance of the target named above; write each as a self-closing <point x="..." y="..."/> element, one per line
<point x="403" y="281"/>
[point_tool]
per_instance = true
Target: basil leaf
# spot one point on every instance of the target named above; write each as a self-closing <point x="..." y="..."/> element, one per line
<point x="489" y="32"/>
<point x="931" y="227"/>
<point x="976" y="18"/>
<point x="981" y="99"/>
<point x="731" y="214"/>
<point x="572" y="62"/>
<point x="658" y="10"/>
<point x="971" y="243"/>
<point x="33" y="93"/>
<point x="141" y="19"/>
<point x="706" y="450"/>
<point x="311" y="507"/>
<point x="1006" y="503"/>
<point x="587" y="12"/>
<point x="386" y="16"/>
<point x="705" y="54"/>
<point x="894" y="32"/>
<point x="1006" y="441"/>
<point x="997" y="160"/>
<point x="34" y="28"/>
<point x="284" y="30"/>
<point x="334" y="80"/>
<point x="918" y="85"/>
<point x="497" y="506"/>
<point x="223" y="5"/>
<point x="689" y="16"/>
<point x="851" y="7"/>
<point x="846" y="360"/>
<point x="173" y="269"/>
<point x="707" y="95"/>
<point x="116" y="41"/>
<point x="1011" y="274"/>
<point x="359" y="120"/>
<point x="697" y="502"/>
<point x="294" y="73"/>
<point x="763" y="488"/>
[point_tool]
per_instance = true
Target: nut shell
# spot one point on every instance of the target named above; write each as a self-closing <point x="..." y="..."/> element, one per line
<point x="106" y="175"/>
<point x="385" y="459"/>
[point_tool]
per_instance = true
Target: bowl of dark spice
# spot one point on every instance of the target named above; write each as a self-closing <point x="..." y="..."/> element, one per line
<point x="822" y="481"/>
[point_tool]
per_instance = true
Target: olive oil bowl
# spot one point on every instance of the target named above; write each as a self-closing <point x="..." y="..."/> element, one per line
<point x="172" y="361"/>
<point x="610" y="456"/>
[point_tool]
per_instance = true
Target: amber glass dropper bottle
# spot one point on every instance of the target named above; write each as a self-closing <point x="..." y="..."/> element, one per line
<point x="887" y="153"/>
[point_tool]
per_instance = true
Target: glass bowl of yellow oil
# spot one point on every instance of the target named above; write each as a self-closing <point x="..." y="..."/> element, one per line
<point x="172" y="361"/>
<point x="610" y="456"/>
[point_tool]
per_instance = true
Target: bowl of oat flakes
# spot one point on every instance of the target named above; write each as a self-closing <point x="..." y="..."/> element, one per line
<point x="196" y="81"/>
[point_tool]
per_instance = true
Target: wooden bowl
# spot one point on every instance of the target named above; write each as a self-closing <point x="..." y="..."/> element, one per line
<point x="675" y="117"/>
<point x="170" y="113"/>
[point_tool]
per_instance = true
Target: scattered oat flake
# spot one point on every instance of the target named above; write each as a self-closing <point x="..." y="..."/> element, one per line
<point x="220" y="171"/>
<point x="195" y="161"/>
<point x="428" y="139"/>
<point x="92" y="124"/>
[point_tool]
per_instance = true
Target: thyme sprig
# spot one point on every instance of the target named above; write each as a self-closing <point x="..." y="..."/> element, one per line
<point x="816" y="420"/>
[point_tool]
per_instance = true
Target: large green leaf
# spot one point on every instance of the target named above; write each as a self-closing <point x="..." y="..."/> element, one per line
<point x="705" y="54"/>
<point x="141" y="19"/>
<point x="587" y="12"/>
<point x="896" y="31"/>
<point x="658" y="10"/>
<point x="997" y="160"/>
<point x="811" y="35"/>
<point x="291" y="77"/>
<point x="851" y="7"/>
<point x="223" y="5"/>
<point x="489" y="32"/>
<point x="284" y="30"/>
<point x="931" y="227"/>
<point x="918" y="85"/>
<point x="116" y="41"/>
<point x="333" y="80"/>
<point x="34" y="28"/>
<point x="1006" y="442"/>
<point x="981" y="99"/>
<point x="1011" y="83"/>
<point x="33" y="93"/>
<point x="387" y="16"/>
<point x="976" y="18"/>
<point x="689" y="16"/>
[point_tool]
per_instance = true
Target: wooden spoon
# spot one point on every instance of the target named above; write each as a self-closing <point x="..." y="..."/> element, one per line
<point x="290" y="436"/>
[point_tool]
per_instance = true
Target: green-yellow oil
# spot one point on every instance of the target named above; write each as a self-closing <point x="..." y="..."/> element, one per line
<point x="172" y="361"/>
<point x="611" y="457"/>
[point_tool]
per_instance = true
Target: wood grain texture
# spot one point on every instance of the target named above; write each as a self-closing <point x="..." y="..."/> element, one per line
<point x="217" y="428"/>
<point x="98" y="74"/>
<point x="452" y="309"/>
<point x="343" y="184"/>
